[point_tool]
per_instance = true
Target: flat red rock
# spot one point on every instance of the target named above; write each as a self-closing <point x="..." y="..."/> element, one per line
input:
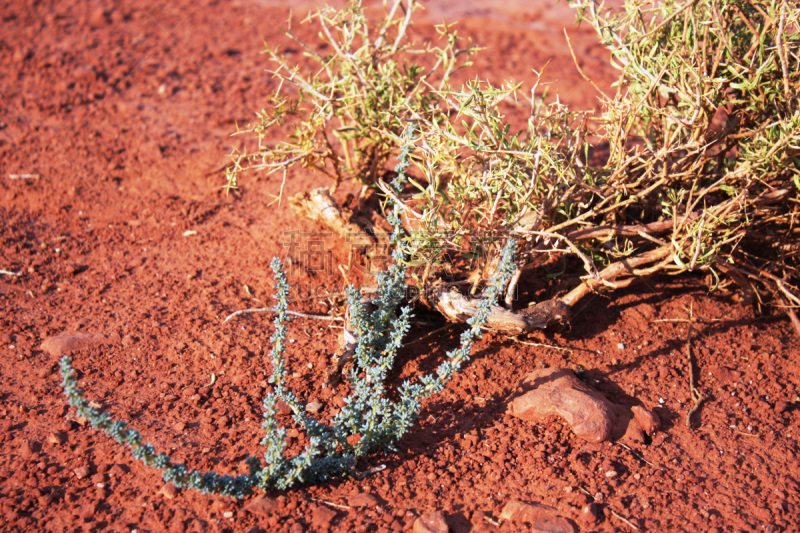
<point x="548" y="392"/>
<point x="75" y="341"/>
<point x="556" y="391"/>
<point x="262" y="505"/>
<point x="362" y="500"/>
<point x="518" y="511"/>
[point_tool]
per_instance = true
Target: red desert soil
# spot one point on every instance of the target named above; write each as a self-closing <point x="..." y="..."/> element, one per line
<point x="115" y="128"/>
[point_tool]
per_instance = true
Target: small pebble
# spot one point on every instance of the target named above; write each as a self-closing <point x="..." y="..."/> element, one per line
<point x="363" y="499"/>
<point x="283" y="408"/>
<point x="169" y="491"/>
<point x="321" y="518"/>
<point x="590" y="514"/>
<point x="262" y="505"/>
<point x="97" y="17"/>
<point x="431" y="523"/>
<point x="87" y="511"/>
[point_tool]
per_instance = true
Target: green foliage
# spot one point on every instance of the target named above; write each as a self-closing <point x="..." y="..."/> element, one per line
<point x="481" y="184"/>
<point x="704" y="131"/>
<point x="347" y="111"/>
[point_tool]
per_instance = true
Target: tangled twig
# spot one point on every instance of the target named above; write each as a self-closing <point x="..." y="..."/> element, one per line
<point x="273" y="310"/>
<point x="696" y="395"/>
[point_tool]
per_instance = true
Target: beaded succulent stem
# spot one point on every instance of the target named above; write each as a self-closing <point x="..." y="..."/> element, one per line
<point x="206" y="482"/>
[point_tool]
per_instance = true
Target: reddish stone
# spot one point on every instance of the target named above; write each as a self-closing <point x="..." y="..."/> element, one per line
<point x="321" y="517"/>
<point x="648" y="420"/>
<point x="517" y="511"/>
<point x="57" y="439"/>
<point x="87" y="511"/>
<point x="431" y="523"/>
<point x="552" y="524"/>
<point x="74" y="341"/>
<point x="362" y="500"/>
<point x="169" y="491"/>
<point x="724" y="374"/>
<point x="556" y="391"/>
<point x="590" y="514"/>
<point x="262" y="505"/>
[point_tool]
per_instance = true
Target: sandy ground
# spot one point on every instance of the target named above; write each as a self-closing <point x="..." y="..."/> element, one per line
<point x="114" y="129"/>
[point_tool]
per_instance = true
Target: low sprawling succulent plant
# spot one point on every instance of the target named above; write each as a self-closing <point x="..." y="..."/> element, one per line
<point x="368" y="412"/>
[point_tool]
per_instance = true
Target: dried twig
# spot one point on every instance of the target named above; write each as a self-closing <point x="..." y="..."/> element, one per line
<point x="697" y="396"/>
<point x="664" y="22"/>
<point x="538" y="345"/>
<point x="272" y="310"/>
<point x="577" y="66"/>
<point x="782" y="51"/>
<point x="628" y="522"/>
<point x="320" y="207"/>
<point x="489" y="519"/>
<point x="368" y="472"/>
<point x="793" y="317"/>
<point x="625" y="266"/>
<point x="337" y="505"/>
<point x="636" y="454"/>
<point x="431" y="333"/>
<point x="458" y="308"/>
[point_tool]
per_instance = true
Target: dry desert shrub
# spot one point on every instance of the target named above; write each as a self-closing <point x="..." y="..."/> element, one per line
<point x="701" y="141"/>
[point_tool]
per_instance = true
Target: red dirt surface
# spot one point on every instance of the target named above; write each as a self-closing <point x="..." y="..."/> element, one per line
<point x="114" y="131"/>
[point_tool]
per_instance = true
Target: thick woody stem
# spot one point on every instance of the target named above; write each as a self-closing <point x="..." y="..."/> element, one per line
<point x="613" y="271"/>
<point x="457" y="307"/>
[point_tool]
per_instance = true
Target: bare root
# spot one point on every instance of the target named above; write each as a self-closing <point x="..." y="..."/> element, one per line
<point x="614" y="271"/>
<point x="459" y="308"/>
